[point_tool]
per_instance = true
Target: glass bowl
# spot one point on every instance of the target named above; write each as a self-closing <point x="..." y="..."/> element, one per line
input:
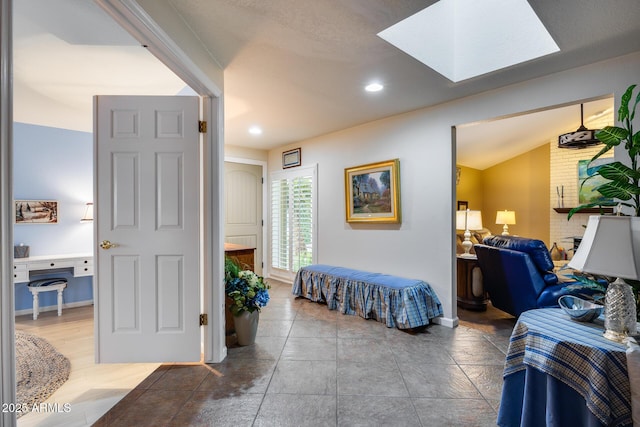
<point x="579" y="309"/>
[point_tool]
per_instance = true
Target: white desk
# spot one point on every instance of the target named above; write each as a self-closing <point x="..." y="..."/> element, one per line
<point x="79" y="265"/>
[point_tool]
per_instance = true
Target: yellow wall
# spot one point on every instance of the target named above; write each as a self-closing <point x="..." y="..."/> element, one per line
<point x="520" y="184"/>
<point x="470" y="188"/>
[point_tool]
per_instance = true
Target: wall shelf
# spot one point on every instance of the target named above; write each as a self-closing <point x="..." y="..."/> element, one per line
<point x="607" y="210"/>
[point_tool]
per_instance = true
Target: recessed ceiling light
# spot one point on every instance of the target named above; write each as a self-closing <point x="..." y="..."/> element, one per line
<point x="255" y="130"/>
<point x="373" y="87"/>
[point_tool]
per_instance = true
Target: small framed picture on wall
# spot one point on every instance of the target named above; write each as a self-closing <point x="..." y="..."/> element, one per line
<point x="36" y="212"/>
<point x="463" y="205"/>
<point x="291" y="158"/>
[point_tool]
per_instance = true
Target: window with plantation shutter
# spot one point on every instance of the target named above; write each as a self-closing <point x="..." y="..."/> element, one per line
<point x="293" y="206"/>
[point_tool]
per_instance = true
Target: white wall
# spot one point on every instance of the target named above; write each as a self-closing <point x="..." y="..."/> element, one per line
<point x="422" y="246"/>
<point x="54" y="164"/>
<point x="245" y="153"/>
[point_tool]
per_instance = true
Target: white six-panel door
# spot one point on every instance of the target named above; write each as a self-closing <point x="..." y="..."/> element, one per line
<point x="147" y="212"/>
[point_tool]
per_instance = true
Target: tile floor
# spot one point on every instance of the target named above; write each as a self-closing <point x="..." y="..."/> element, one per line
<point x="314" y="367"/>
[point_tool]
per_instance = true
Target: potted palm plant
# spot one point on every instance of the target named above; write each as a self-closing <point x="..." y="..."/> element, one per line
<point x="247" y="293"/>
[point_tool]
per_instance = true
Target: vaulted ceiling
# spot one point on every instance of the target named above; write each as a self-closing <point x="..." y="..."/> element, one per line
<point x="295" y="68"/>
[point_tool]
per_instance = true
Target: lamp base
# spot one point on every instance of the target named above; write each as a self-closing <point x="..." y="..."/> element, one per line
<point x="505" y="230"/>
<point x="614" y="336"/>
<point x="619" y="311"/>
<point x="467" y="244"/>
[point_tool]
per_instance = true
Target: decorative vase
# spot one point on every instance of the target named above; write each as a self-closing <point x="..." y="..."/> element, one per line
<point x="555" y="252"/>
<point x="246" y="327"/>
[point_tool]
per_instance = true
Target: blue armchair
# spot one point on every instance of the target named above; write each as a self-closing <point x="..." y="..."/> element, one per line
<point x="518" y="274"/>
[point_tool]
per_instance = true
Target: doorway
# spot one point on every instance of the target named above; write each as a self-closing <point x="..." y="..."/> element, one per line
<point x="514" y="163"/>
<point x="243" y="200"/>
<point x="211" y="238"/>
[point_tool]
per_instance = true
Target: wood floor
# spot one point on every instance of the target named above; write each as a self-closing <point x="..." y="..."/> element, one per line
<point x="91" y="389"/>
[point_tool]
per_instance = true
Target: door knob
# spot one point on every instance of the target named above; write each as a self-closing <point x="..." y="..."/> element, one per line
<point x="105" y="244"/>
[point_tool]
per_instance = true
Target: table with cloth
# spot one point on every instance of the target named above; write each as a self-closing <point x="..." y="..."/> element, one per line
<point x="561" y="372"/>
<point x="394" y="301"/>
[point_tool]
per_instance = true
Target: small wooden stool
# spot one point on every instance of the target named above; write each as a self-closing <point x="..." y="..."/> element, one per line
<point x="44" y="285"/>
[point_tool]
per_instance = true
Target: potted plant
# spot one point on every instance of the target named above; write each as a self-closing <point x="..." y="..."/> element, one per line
<point x="247" y="293"/>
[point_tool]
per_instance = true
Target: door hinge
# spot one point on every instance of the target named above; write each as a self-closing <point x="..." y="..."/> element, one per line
<point x="204" y="320"/>
<point x="202" y="126"/>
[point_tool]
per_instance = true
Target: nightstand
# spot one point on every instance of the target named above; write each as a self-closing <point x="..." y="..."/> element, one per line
<point x="471" y="294"/>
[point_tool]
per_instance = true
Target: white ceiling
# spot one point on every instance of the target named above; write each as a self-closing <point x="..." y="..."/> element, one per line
<point x="482" y="145"/>
<point x="296" y="68"/>
<point x="66" y="51"/>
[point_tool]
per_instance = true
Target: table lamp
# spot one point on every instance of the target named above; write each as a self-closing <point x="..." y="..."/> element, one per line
<point x="88" y="213"/>
<point x="506" y="218"/>
<point x="468" y="220"/>
<point x="611" y="247"/>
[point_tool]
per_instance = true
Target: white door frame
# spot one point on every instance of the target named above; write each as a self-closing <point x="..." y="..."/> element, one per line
<point x="7" y="320"/>
<point x="134" y="19"/>
<point x="263" y="164"/>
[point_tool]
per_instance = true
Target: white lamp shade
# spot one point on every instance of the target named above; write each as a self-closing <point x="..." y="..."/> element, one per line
<point x="474" y="220"/>
<point x="461" y="220"/>
<point x="88" y="213"/>
<point x="468" y="220"/>
<point x="610" y="247"/>
<point x="506" y="217"/>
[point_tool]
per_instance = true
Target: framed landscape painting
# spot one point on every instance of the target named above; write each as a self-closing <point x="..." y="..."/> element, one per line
<point x="373" y="192"/>
<point x="36" y="212"/>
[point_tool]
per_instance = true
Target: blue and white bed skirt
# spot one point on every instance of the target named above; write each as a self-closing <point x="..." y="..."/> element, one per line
<point x="394" y="301"/>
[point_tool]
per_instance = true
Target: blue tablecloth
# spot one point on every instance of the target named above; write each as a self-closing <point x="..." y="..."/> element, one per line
<point x="559" y="370"/>
<point x="395" y="301"/>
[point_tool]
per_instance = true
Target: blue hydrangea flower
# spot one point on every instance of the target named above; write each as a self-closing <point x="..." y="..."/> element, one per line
<point x="247" y="290"/>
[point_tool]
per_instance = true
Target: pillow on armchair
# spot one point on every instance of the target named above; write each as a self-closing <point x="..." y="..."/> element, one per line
<point x="476" y="237"/>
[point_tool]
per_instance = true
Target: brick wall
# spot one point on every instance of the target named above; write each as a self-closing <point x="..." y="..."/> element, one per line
<point x="564" y="174"/>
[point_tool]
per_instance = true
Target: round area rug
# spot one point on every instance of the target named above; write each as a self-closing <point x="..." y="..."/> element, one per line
<point x="40" y="370"/>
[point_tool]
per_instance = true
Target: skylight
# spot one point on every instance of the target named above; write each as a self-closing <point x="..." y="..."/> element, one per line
<point x="461" y="39"/>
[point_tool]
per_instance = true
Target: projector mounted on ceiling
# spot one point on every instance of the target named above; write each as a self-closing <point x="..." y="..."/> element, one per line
<point x="581" y="138"/>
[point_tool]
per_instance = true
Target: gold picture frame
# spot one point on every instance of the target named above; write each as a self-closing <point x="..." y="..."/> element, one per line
<point x="372" y="192"/>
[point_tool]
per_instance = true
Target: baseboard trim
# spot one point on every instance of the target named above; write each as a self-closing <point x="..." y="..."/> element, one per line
<point x="446" y="321"/>
<point x="54" y="307"/>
